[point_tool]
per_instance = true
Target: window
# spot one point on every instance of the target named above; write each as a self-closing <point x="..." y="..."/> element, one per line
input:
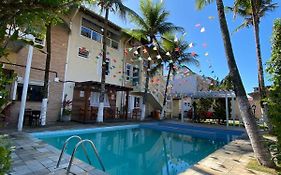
<point x="128" y="71"/>
<point x="96" y="36"/>
<point x="86" y="32"/>
<point x="91" y="30"/>
<point x="136" y="78"/>
<point x="114" y="44"/>
<point x="107" y="71"/>
<point x="83" y="52"/>
<point x="137" y="102"/>
<point x="34" y="93"/>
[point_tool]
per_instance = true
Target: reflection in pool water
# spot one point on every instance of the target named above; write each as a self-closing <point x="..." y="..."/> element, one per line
<point x="143" y="151"/>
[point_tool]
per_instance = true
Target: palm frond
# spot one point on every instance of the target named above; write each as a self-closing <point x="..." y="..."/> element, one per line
<point x="200" y="4"/>
<point x="246" y="24"/>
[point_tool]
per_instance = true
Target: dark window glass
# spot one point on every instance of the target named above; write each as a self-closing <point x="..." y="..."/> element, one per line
<point x="128" y="72"/>
<point x="137" y="102"/>
<point x="114" y="44"/>
<point x="34" y="93"/>
<point x="136" y="76"/>
<point x="107" y="71"/>
<point x="96" y="36"/>
<point x="86" y="32"/>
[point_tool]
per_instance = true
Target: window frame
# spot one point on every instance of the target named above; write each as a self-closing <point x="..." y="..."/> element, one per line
<point x="128" y="77"/>
<point x="136" y="77"/>
<point x="19" y="91"/>
<point x="111" y="41"/>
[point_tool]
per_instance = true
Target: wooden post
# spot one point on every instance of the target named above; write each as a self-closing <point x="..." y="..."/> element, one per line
<point x="86" y="105"/>
<point x="127" y="104"/>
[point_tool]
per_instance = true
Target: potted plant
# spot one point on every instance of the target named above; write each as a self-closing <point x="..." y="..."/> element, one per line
<point x="66" y="109"/>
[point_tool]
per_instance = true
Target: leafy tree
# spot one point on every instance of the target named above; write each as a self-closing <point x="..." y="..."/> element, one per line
<point x="219" y="104"/>
<point x="151" y="25"/>
<point x="22" y="17"/>
<point x="5" y="155"/>
<point x="274" y="69"/>
<point x="5" y="80"/>
<point x="261" y="152"/>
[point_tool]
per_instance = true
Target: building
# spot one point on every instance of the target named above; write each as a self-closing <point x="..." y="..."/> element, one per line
<point x="77" y="60"/>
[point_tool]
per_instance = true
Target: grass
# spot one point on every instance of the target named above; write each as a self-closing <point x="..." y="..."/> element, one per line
<point x="254" y="165"/>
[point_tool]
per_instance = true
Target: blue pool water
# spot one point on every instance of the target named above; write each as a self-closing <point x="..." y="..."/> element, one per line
<point x="160" y="149"/>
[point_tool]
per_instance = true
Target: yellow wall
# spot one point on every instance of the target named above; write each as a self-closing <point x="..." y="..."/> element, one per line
<point x="82" y="69"/>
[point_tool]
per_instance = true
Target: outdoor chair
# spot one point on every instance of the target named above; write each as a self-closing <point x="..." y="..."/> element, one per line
<point x="136" y="114"/>
<point x="35" y="118"/>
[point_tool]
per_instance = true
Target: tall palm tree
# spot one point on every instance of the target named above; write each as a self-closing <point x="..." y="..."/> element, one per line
<point x="150" y="25"/>
<point x="252" y="12"/>
<point x="176" y="55"/>
<point x="44" y="105"/>
<point x="261" y="152"/>
<point x="115" y="6"/>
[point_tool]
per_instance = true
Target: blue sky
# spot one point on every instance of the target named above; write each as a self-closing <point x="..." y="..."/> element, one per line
<point x="183" y="13"/>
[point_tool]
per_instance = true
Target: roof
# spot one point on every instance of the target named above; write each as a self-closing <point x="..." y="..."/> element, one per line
<point x="206" y="94"/>
<point x="99" y="17"/>
<point x="96" y="85"/>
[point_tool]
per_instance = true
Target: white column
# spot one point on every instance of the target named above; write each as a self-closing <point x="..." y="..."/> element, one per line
<point x="25" y="87"/>
<point x="233" y="110"/>
<point x="182" y="111"/>
<point x="193" y="111"/>
<point x="226" y="110"/>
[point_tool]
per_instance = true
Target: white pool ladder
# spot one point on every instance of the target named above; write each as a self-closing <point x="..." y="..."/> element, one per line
<point x="75" y="149"/>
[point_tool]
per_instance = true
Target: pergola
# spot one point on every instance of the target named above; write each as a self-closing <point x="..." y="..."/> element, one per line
<point x="210" y="94"/>
<point x="92" y="86"/>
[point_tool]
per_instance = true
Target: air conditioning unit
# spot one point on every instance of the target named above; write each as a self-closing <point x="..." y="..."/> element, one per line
<point x="40" y="42"/>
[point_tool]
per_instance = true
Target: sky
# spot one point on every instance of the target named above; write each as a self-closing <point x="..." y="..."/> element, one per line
<point x="183" y="13"/>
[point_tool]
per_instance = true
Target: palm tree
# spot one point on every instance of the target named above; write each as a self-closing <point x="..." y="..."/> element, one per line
<point x="261" y="152"/>
<point x="106" y="6"/>
<point x="152" y="23"/>
<point x="176" y="55"/>
<point x="44" y="105"/>
<point x="252" y="12"/>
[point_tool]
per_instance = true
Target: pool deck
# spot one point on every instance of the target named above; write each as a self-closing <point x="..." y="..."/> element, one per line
<point x="33" y="156"/>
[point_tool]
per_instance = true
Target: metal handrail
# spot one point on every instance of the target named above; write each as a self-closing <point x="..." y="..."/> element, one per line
<point x="75" y="149"/>
<point x="64" y="148"/>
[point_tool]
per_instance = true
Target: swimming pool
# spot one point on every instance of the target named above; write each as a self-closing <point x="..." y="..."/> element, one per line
<point x="154" y="148"/>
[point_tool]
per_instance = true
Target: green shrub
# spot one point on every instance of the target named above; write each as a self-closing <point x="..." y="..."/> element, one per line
<point x="274" y="101"/>
<point x="5" y="154"/>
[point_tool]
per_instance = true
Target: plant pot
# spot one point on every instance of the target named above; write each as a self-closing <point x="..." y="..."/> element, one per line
<point x="66" y="118"/>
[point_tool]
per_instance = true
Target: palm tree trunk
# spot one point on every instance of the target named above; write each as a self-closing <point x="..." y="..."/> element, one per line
<point x="44" y="105"/>
<point x="166" y="90"/>
<point x="145" y="91"/>
<point x="104" y="50"/>
<point x="262" y="91"/>
<point x="261" y="152"/>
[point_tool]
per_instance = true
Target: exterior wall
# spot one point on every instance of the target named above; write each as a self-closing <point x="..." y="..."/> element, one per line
<point x="82" y="69"/>
<point x="185" y="85"/>
<point x="59" y="47"/>
<point x="176" y="108"/>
